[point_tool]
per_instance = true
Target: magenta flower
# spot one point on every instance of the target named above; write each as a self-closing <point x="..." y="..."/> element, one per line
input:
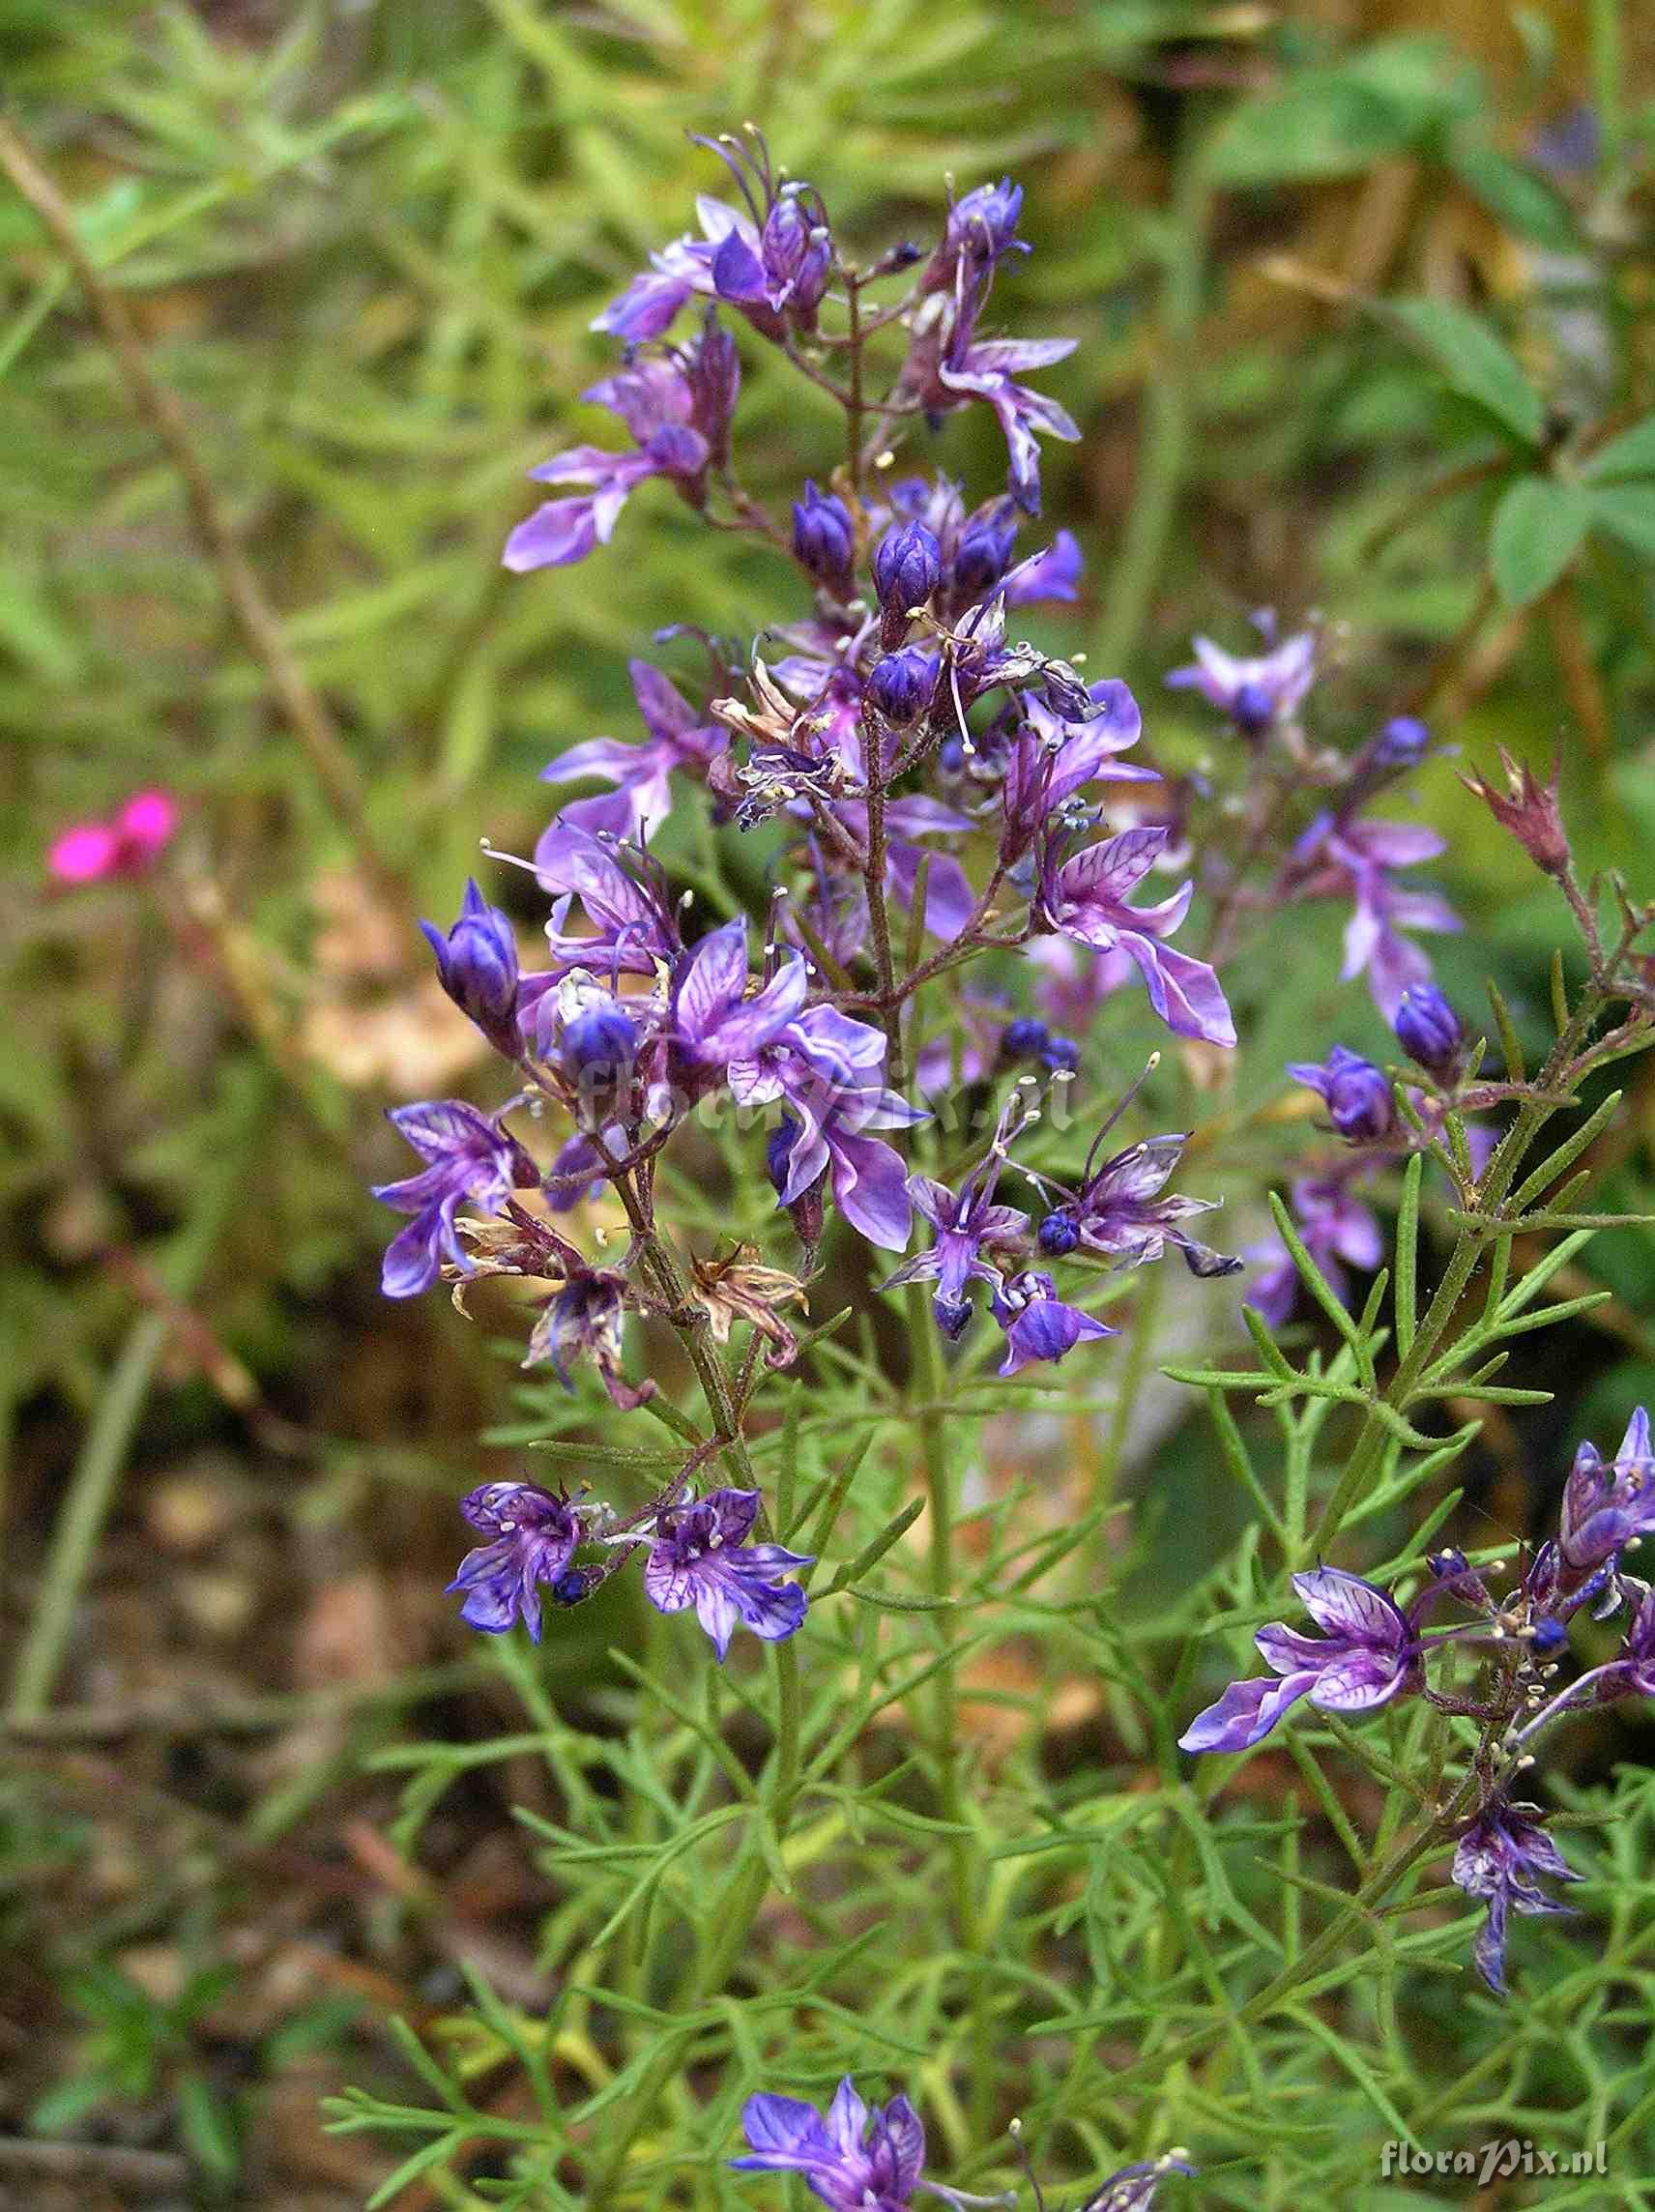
<point x="468" y="1158"/>
<point x="534" y="1536"/>
<point x="700" y="1556"/>
<point x="1502" y="1856"/>
<point x="1367" y="1655"/>
<point x="124" y="845"/>
<point x="641" y="773"/>
<point x="1085" y="897"/>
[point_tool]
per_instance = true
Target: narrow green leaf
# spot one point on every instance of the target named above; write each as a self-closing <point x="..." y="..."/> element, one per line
<point x="1407" y="1255"/>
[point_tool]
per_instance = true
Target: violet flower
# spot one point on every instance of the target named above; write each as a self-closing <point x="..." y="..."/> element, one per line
<point x="853" y="2159"/>
<point x="641" y="775"/>
<point x="1037" y="1324"/>
<point x="1133" y="2189"/>
<point x="700" y="1556"/>
<point x="1118" y="1210"/>
<point x="1428" y="1031"/>
<point x="1335" y="1227"/>
<point x="585" y="1321"/>
<point x="1050" y="760"/>
<point x="535" y="1539"/>
<point x="467" y="1157"/>
<point x="635" y="927"/>
<point x="1356" y="858"/>
<point x="1502" y="1856"/>
<point x="967" y="1224"/>
<point x="1085" y="897"/>
<point x="657" y="403"/>
<point x="1255" y="693"/>
<point x="1370" y="1652"/>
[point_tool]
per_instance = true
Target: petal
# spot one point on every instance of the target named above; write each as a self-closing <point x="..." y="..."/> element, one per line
<point x="555" y="536"/>
<point x="869" y="1189"/>
<point x="1184" y="992"/>
<point x="1103" y="874"/>
<point x="903" y="2137"/>
<point x="715" y="1607"/>
<point x="1346" y="1606"/>
<point x="1245" y="1714"/>
<point x="734" y="1512"/>
<point x="1286" y="1652"/>
<point x="713" y="982"/>
<point x="847" y="2118"/>
<point x="1358" y="1679"/>
<point x="785" y="2133"/>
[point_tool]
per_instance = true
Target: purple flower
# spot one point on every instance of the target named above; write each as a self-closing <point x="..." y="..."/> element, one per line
<point x="1052" y="574"/>
<point x="1085" y="897"/>
<point x="584" y="1321"/>
<point x="1368" y="1654"/>
<point x="657" y="403"/>
<point x="1133" y="2189"/>
<point x="469" y="1157"/>
<point x="967" y="1224"/>
<point x="476" y="962"/>
<point x="1335" y="1227"/>
<point x="981" y="227"/>
<point x="714" y="1023"/>
<point x="988" y="370"/>
<point x="869" y="1185"/>
<point x="641" y="775"/>
<point x="852" y="2160"/>
<point x="1502" y="1856"/>
<point x="699" y="1556"/>
<point x="1356" y="858"/>
<point x="781" y="274"/>
<point x="534" y="1537"/>
<point x="1254" y="693"/>
<point x="636" y="929"/>
<point x="1402" y="742"/>
<point x="1607" y="1506"/>
<point x="982" y="553"/>
<point x="1037" y="1324"/>
<point x="1358" y="1096"/>
<point x="1050" y="760"/>
<point x="1428" y="1031"/>
<point x="1118" y="1209"/>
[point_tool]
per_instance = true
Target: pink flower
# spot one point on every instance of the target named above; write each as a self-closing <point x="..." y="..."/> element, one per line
<point x="125" y="845"/>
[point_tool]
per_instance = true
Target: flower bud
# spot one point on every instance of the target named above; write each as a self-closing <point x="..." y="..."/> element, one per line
<point x="982" y="555"/>
<point x="1359" y="1101"/>
<point x="823" y="538"/>
<point x="713" y="370"/>
<point x="907" y="567"/>
<point x="951" y="1316"/>
<point x="1427" y="1030"/>
<point x="902" y="684"/>
<point x="1403" y="741"/>
<point x="598" y="1047"/>
<point x="1024" y="1038"/>
<point x="477" y="964"/>
<point x="797" y="254"/>
<point x="1060" y="1054"/>
<point x="1548" y="1634"/>
<point x="1253" y="708"/>
<point x="1057" y="1234"/>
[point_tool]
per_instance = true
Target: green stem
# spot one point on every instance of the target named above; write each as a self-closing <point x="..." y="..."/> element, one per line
<point x="928" y="1418"/>
<point x="91" y="1488"/>
<point x="1169" y="410"/>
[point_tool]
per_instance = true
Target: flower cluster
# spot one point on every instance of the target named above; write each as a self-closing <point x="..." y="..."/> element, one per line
<point x="1374" y="1649"/>
<point x="698" y="1552"/>
<point x="935" y="781"/>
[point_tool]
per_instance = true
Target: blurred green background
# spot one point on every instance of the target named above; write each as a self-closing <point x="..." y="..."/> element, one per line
<point x="1306" y="251"/>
